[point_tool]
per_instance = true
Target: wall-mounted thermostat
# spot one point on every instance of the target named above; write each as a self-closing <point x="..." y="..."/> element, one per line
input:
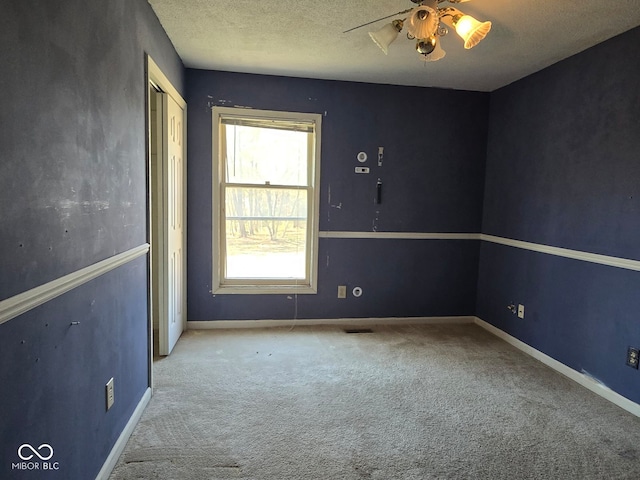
<point x="362" y="157"/>
<point x="362" y="169"/>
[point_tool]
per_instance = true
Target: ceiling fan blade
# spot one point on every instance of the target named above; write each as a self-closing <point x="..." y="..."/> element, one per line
<point x="374" y="21"/>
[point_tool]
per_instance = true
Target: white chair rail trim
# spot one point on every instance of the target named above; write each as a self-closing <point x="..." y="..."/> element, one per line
<point x="23" y="302"/>
<point x="617" y="262"/>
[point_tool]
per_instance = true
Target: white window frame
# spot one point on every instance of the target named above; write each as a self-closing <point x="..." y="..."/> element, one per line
<point x="266" y="286"/>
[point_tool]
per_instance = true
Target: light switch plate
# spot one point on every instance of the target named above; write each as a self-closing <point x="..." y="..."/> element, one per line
<point x="110" y="396"/>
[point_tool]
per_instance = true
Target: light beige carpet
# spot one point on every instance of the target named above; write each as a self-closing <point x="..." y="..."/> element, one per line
<point x="410" y="402"/>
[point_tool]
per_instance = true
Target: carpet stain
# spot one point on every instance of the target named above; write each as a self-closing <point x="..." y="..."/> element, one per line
<point x="364" y="471"/>
<point x="133" y="462"/>
<point x="629" y="454"/>
<point x="358" y="330"/>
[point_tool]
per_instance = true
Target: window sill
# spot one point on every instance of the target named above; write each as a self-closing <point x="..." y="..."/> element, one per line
<point x="264" y="290"/>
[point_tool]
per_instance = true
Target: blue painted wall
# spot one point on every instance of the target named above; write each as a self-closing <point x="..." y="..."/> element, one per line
<point x="72" y="193"/>
<point x="563" y="169"/>
<point x="54" y="373"/>
<point x="432" y="174"/>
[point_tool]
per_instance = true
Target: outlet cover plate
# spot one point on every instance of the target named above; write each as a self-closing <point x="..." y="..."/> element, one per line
<point x="520" y="311"/>
<point x="342" y="291"/>
<point x="633" y="357"/>
<point x="110" y="396"/>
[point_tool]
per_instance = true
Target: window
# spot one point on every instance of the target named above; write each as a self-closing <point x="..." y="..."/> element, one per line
<point x="265" y="201"/>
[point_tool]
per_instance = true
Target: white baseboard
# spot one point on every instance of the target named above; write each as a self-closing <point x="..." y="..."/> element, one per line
<point x="584" y="380"/>
<point x="229" y="324"/>
<point x="118" y="448"/>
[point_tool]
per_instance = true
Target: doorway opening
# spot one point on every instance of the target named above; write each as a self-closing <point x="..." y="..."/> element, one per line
<point x="155" y="213"/>
<point x="166" y="120"/>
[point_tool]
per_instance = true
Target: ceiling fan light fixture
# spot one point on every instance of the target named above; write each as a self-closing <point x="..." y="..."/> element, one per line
<point x="470" y="30"/>
<point x="386" y="35"/>
<point x="426" y="45"/>
<point x="426" y="24"/>
<point x="437" y="54"/>
<point x="422" y="22"/>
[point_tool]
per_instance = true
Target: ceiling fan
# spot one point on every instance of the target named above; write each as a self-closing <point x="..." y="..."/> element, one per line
<point x="426" y="23"/>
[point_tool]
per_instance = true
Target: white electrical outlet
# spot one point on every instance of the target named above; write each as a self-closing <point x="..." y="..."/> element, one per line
<point x="342" y="291"/>
<point x="110" y="395"/>
<point x="520" y="310"/>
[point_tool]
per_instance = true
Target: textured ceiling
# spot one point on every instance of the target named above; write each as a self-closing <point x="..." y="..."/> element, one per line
<point x="304" y="38"/>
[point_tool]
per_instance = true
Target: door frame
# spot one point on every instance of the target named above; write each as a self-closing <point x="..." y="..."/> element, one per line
<point x="156" y="79"/>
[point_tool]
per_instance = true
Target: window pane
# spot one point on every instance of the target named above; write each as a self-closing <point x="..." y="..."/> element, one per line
<point x="266" y="233"/>
<point x="265" y="171"/>
<point x="261" y="155"/>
